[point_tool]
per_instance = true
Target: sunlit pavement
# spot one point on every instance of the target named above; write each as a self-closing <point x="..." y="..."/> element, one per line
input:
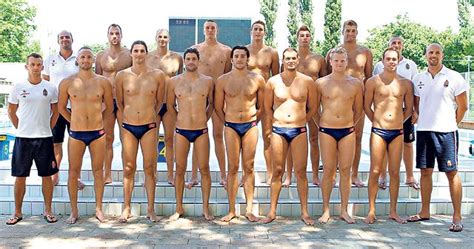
<point x="34" y="232"/>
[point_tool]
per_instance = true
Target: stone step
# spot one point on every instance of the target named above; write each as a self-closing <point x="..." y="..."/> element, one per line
<point x="219" y="207"/>
<point x="260" y="176"/>
<point x="163" y="189"/>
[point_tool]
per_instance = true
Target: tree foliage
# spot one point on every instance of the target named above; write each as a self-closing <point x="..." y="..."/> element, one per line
<point x="417" y="37"/>
<point x="16" y="26"/>
<point x="293" y="21"/>
<point x="464" y="15"/>
<point x="306" y="13"/>
<point x="332" y="24"/>
<point x="269" y="9"/>
<point x="97" y="47"/>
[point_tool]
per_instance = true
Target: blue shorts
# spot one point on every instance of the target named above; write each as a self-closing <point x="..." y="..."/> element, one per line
<point x="442" y="146"/>
<point x="39" y="150"/>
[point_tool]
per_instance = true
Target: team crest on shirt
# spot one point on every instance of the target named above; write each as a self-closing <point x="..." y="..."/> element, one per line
<point x="53" y="63"/>
<point x="407" y="66"/>
<point x="446" y="83"/>
<point x="45" y="92"/>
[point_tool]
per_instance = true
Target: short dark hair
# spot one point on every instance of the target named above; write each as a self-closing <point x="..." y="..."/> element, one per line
<point x="259" y="22"/>
<point x="390" y="49"/>
<point x="239" y="47"/>
<point x="350" y="23"/>
<point x="192" y="51"/>
<point x="302" y="28"/>
<point x="114" y="25"/>
<point x="210" y="20"/>
<point x="139" y="42"/>
<point x="289" y="50"/>
<point x="33" y="55"/>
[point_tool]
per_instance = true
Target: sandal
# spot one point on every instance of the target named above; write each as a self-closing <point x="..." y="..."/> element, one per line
<point x="416" y="218"/>
<point x="414" y="185"/>
<point x="50" y="218"/>
<point x="456" y="227"/>
<point x="13" y="220"/>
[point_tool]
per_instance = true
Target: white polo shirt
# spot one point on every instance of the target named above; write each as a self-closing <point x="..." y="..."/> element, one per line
<point x="406" y="68"/>
<point x="437" y="99"/>
<point x="59" y="68"/>
<point x="34" y="108"/>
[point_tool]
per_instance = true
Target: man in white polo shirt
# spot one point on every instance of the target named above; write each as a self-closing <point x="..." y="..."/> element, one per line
<point x="33" y="110"/>
<point x="441" y="101"/>
<point x="407" y="69"/>
<point x="57" y="67"/>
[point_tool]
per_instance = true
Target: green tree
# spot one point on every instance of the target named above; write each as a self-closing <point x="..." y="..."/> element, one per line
<point x="97" y="47"/>
<point x="464" y="15"/>
<point x="16" y="26"/>
<point x="332" y="25"/>
<point x="306" y="13"/>
<point x="293" y="22"/>
<point x="269" y="9"/>
<point x="456" y="46"/>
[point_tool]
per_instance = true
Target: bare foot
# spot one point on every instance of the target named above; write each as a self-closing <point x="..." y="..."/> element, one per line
<point x="251" y="217"/>
<point x="207" y="216"/>
<point x="72" y="219"/>
<point x="176" y="216"/>
<point x="307" y="220"/>
<point x="228" y="217"/>
<point x="152" y="217"/>
<point x="370" y="219"/>
<point x="100" y="216"/>
<point x="286" y="183"/>
<point x="345" y="217"/>
<point x="357" y="183"/>
<point x="324" y="218"/>
<point x="397" y="218"/>
<point x="268" y="219"/>
<point x="125" y="216"/>
<point x="171" y="180"/>
<point x="191" y="184"/>
<point x="80" y="185"/>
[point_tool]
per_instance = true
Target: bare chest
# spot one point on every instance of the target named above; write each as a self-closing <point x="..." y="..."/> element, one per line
<point x="115" y="62"/>
<point x="145" y="85"/>
<point x="297" y="93"/>
<point x="193" y="90"/>
<point x="85" y="91"/>
<point x="260" y="59"/>
<point x="241" y="88"/>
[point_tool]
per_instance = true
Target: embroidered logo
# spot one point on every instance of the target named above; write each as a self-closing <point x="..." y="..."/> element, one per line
<point x="24" y="93"/>
<point x="407" y="67"/>
<point x="420" y="85"/>
<point x="45" y="92"/>
<point x="449" y="163"/>
<point x="446" y="83"/>
<point x="152" y="125"/>
<point x="101" y="132"/>
<point x="303" y="129"/>
<point x="53" y="63"/>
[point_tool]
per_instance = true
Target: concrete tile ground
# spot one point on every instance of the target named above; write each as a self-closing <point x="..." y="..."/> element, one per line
<point x="34" y="232"/>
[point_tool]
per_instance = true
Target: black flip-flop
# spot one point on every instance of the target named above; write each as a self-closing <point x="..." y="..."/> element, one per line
<point x="456" y="227"/>
<point x="50" y="218"/>
<point x="13" y="220"/>
<point x="416" y="218"/>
